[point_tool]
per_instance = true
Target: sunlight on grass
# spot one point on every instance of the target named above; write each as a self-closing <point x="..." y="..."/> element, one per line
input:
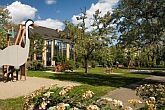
<point x="96" y="80"/>
<point x="12" y="104"/>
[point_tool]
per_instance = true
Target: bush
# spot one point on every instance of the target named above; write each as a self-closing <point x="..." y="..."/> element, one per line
<point x="154" y="94"/>
<point x="78" y="64"/>
<point x="71" y="65"/>
<point x="56" y="98"/>
<point x="59" y="59"/>
<point x="66" y="98"/>
<point x="93" y="64"/>
<point x="35" y="65"/>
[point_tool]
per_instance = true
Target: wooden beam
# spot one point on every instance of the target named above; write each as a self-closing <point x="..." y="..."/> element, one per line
<point x="23" y="35"/>
<point x="19" y="32"/>
<point x="3" y="73"/>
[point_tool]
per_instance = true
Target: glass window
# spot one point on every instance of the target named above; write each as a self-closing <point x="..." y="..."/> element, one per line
<point x="48" y="53"/>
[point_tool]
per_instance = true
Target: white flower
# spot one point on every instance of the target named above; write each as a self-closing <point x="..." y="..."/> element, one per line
<point x="87" y="94"/>
<point x="108" y="99"/>
<point x="62" y="92"/>
<point x="74" y="108"/>
<point x="93" y="107"/>
<point x="117" y="103"/>
<point x="134" y="101"/>
<point x="47" y="94"/>
<point x="52" y="108"/>
<point x="128" y="108"/>
<point x="43" y="105"/>
<point x="61" y="106"/>
<point x="152" y="98"/>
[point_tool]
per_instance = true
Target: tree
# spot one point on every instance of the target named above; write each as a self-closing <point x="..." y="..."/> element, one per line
<point x="89" y="43"/>
<point x="4" y="23"/>
<point x="141" y="24"/>
<point x="36" y="45"/>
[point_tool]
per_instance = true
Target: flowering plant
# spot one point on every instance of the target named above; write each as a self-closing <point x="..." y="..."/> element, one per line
<point x="55" y="98"/>
<point x="153" y="94"/>
<point x="67" y="98"/>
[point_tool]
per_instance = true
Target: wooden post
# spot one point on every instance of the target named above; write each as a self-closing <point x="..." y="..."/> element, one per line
<point x="25" y="71"/>
<point x="20" y="72"/>
<point x="20" y="29"/>
<point x="3" y="73"/>
<point x="23" y="33"/>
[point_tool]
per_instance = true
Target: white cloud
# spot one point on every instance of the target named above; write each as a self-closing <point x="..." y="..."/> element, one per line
<point x="21" y="12"/>
<point x="50" y="2"/>
<point x="51" y="23"/>
<point x="103" y="5"/>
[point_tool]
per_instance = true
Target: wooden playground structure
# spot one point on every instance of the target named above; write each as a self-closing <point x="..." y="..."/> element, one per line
<point x="10" y="70"/>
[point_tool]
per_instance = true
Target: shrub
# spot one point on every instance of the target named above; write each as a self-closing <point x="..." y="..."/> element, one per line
<point x="56" y="98"/>
<point x="66" y="98"/>
<point x="93" y="64"/>
<point x="78" y="64"/>
<point x="59" y="59"/>
<point x="71" y="65"/>
<point x="154" y="94"/>
<point x="35" y="65"/>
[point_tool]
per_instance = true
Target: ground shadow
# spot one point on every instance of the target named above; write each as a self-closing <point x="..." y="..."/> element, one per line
<point x="97" y="79"/>
<point x="5" y="79"/>
<point x="155" y="73"/>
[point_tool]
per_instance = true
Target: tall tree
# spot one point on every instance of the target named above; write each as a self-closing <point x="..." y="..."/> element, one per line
<point x="141" y="23"/>
<point x="90" y="42"/>
<point x="4" y="23"/>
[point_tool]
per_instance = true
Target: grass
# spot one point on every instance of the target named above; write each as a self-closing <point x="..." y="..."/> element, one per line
<point x="12" y="104"/>
<point x="96" y="80"/>
<point x="40" y="74"/>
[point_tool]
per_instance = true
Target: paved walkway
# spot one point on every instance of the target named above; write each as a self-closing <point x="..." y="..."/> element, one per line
<point x="126" y="93"/>
<point x="20" y="88"/>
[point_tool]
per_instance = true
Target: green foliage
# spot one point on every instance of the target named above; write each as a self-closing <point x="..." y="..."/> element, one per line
<point x="71" y="64"/>
<point x="93" y="63"/>
<point x="141" y="25"/>
<point x="78" y="64"/>
<point x="67" y="99"/>
<point x="154" y="93"/>
<point x="36" y="45"/>
<point x="4" y="23"/>
<point x="35" y="65"/>
<point x="59" y="59"/>
<point x="86" y="44"/>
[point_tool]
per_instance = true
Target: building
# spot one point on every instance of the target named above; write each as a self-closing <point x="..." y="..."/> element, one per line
<point x="53" y="45"/>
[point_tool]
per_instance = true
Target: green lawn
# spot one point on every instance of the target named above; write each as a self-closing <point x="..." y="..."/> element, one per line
<point x="12" y="104"/>
<point x="96" y="80"/>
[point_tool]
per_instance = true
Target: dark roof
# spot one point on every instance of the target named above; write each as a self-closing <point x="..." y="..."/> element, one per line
<point x="47" y="33"/>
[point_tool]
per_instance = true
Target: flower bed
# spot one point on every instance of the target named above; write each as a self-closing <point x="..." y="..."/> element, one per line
<point x="56" y="98"/>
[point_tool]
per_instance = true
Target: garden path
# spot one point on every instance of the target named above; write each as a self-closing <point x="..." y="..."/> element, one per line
<point x="20" y="88"/>
<point x="126" y="93"/>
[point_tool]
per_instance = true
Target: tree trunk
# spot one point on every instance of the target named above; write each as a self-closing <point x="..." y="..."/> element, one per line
<point x="86" y="64"/>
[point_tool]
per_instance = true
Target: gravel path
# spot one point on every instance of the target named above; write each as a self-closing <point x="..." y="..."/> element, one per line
<point x="20" y="88"/>
<point x="126" y="93"/>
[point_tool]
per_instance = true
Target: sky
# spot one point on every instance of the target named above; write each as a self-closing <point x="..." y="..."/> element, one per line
<point x="52" y="13"/>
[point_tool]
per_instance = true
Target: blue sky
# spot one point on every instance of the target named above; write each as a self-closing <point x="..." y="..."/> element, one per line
<point x="60" y="9"/>
<point x="52" y="13"/>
